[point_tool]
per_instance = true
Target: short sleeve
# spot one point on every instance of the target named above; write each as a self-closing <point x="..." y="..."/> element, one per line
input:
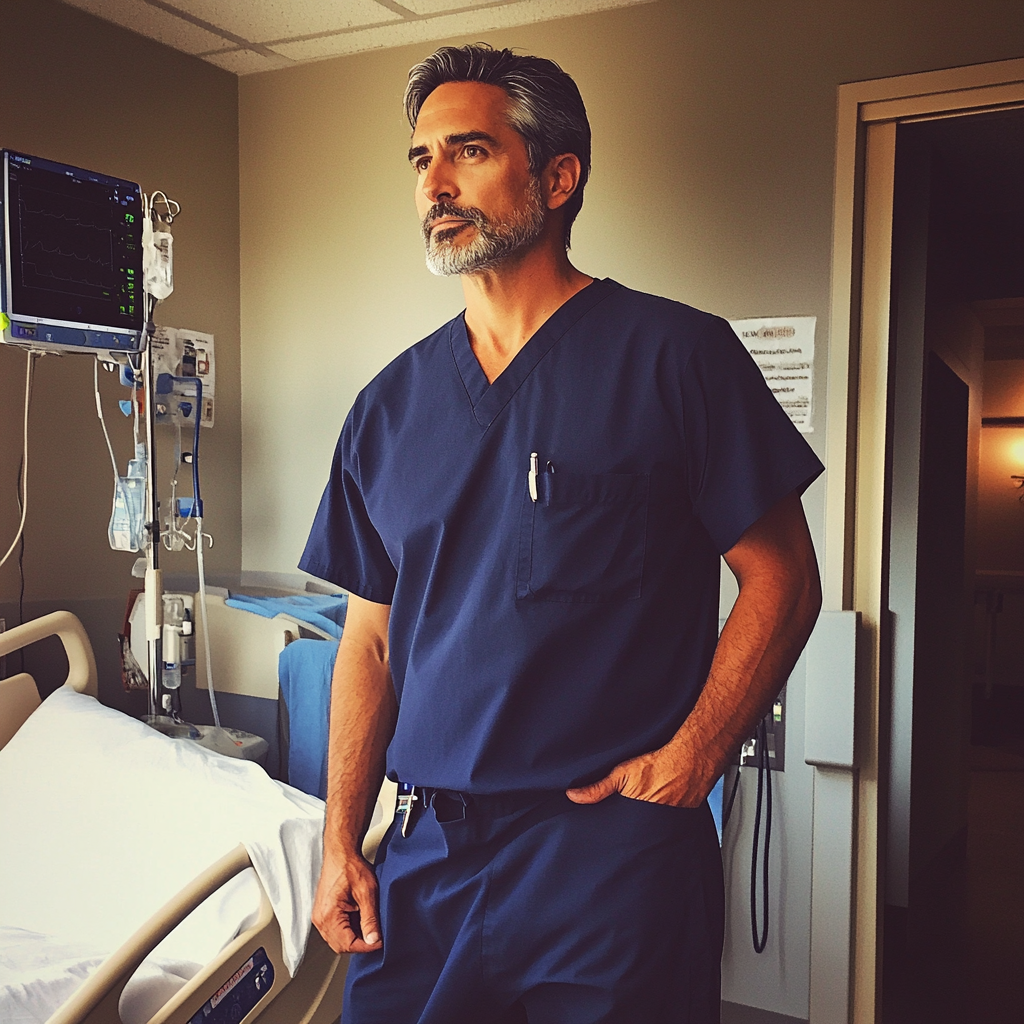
<point x="743" y="453"/>
<point x="344" y="547"/>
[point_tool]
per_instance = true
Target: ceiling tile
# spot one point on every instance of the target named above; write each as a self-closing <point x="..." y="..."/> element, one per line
<point x="400" y="33"/>
<point x="246" y="62"/>
<point x="260" y="20"/>
<point x="153" y="22"/>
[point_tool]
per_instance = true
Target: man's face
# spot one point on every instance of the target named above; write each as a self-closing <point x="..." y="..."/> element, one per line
<point x="477" y="199"/>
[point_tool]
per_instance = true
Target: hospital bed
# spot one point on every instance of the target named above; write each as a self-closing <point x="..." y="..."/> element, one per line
<point x="253" y="955"/>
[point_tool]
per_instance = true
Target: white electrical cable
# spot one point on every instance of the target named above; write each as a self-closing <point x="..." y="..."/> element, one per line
<point x="118" y="484"/>
<point x="30" y="359"/>
<point x="103" y="422"/>
<point x="206" y="619"/>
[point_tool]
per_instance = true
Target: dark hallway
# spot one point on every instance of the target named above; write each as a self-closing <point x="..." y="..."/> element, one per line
<point x="955" y="895"/>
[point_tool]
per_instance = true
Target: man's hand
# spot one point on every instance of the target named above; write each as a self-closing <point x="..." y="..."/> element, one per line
<point x="345" y="908"/>
<point x="669" y="775"/>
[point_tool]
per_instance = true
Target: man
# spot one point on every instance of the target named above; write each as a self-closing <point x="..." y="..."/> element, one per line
<point x="528" y="508"/>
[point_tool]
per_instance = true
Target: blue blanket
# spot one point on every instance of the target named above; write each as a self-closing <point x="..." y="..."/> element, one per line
<point x="304" y="669"/>
<point x="325" y="611"/>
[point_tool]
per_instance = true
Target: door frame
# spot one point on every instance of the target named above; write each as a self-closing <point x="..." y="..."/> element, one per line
<point x="859" y="341"/>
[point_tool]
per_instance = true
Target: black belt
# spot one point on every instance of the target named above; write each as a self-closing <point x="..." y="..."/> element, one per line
<point x="451" y="805"/>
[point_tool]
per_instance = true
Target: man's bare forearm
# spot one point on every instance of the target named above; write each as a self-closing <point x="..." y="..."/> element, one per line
<point x="767" y="629"/>
<point x="363" y="712"/>
<point x="779" y="599"/>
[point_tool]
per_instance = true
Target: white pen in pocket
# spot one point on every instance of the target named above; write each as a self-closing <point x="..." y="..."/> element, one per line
<point x="531" y="477"/>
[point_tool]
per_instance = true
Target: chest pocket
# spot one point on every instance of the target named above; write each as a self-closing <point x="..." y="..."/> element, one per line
<point x="584" y="538"/>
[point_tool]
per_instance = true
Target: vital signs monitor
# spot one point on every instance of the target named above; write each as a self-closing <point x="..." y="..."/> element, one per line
<point x="70" y="258"/>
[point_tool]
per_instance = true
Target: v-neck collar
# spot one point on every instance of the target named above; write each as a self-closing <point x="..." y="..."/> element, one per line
<point x="489" y="399"/>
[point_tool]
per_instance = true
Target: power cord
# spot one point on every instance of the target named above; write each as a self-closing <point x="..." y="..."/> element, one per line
<point x="30" y="358"/>
<point x="21" y="571"/>
<point x="103" y="423"/>
<point x="764" y="781"/>
<point x="206" y="620"/>
<point x="764" y="795"/>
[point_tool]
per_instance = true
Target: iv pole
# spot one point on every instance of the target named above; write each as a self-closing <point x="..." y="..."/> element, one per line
<point x="229" y="742"/>
<point x="154" y="587"/>
<point x="154" y="574"/>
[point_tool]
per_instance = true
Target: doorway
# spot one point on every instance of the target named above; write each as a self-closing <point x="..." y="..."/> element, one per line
<point x="954" y="879"/>
<point x="859" y="458"/>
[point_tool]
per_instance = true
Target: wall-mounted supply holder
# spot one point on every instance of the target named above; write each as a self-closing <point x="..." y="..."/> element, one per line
<point x="775" y="731"/>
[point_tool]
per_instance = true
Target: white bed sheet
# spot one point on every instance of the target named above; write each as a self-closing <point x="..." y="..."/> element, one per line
<point x="39" y="973"/>
<point x="104" y="820"/>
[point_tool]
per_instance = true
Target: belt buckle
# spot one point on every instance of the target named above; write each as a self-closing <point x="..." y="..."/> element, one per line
<point x="406" y="798"/>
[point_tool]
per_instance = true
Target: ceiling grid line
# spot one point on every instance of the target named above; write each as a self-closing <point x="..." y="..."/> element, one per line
<point x="399" y="9"/>
<point x="347" y="30"/>
<point x="266" y="35"/>
<point x="242" y="43"/>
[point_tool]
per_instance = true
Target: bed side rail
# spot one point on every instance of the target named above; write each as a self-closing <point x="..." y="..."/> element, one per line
<point x="192" y="998"/>
<point x="313" y="997"/>
<point x="81" y="660"/>
<point x="96" y="1002"/>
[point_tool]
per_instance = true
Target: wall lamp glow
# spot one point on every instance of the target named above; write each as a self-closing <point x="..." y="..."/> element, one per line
<point x="1016" y="450"/>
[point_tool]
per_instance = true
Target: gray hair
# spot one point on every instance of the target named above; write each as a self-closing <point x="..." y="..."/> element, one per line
<point x="545" y="108"/>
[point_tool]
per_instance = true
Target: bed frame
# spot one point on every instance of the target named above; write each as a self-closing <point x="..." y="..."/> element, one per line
<point x="313" y="996"/>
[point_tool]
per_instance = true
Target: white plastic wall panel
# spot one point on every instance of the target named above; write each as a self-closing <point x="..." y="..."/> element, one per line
<point x="831" y="656"/>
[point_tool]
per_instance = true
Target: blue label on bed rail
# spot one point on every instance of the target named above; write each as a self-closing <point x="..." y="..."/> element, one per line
<point x="239" y="993"/>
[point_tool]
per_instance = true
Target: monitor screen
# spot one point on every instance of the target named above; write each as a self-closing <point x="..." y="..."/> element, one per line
<point x="71" y="257"/>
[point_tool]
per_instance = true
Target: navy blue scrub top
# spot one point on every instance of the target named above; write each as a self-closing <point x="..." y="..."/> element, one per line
<point x="536" y="644"/>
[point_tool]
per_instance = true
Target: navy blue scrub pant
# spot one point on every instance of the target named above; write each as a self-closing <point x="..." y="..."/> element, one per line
<point x="549" y="913"/>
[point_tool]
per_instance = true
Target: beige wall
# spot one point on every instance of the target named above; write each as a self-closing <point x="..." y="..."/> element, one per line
<point x="81" y="91"/>
<point x="714" y="131"/>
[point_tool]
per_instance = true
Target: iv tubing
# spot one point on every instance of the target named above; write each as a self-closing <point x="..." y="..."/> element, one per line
<point x="30" y="359"/>
<point x="206" y="619"/>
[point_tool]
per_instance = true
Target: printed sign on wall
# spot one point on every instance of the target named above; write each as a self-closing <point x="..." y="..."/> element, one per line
<point x="783" y="348"/>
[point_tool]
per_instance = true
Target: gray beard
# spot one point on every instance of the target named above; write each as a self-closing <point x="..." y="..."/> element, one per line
<point x="495" y="242"/>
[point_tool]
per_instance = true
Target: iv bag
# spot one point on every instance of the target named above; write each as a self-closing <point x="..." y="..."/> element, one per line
<point x="127" y="530"/>
<point x="157" y="261"/>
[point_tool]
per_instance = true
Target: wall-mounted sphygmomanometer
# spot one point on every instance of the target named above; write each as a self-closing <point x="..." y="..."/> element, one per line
<point x="70" y="258"/>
